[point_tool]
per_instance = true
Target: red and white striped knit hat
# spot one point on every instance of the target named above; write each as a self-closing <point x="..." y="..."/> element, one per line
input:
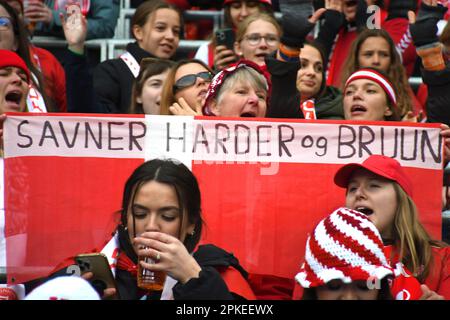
<point x="377" y="77"/>
<point x="344" y="246"/>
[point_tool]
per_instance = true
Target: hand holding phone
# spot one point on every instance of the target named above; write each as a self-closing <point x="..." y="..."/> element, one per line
<point x="225" y="37"/>
<point x="95" y="268"/>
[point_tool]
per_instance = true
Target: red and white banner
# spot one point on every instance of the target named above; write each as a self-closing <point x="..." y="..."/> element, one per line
<point x="264" y="183"/>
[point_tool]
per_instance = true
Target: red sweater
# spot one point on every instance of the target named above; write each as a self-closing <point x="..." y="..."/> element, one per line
<point x="54" y="76"/>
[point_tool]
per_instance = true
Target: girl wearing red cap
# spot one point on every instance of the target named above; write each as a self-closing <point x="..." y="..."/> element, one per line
<point x="381" y="190"/>
<point x="235" y="11"/>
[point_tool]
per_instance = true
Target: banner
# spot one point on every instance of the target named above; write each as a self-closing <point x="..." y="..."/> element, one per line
<point x="265" y="183"/>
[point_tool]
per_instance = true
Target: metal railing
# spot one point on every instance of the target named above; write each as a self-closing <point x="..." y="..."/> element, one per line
<point x="110" y="48"/>
<point x="117" y="46"/>
<point x="52" y="42"/>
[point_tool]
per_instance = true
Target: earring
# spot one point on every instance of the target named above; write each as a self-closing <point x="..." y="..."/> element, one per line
<point x="192" y="233"/>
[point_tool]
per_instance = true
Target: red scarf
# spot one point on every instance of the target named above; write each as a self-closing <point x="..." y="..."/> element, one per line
<point x="125" y="263"/>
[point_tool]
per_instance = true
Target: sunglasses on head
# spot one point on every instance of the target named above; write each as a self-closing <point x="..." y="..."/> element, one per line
<point x="189" y="80"/>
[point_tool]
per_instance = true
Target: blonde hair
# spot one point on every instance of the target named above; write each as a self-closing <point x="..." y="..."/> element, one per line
<point x="167" y="95"/>
<point x="410" y="237"/>
<point x="243" y="26"/>
<point x="243" y="75"/>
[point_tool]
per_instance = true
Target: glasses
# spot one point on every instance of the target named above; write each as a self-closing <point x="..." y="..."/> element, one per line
<point x="189" y="80"/>
<point x="254" y="39"/>
<point x="5" y="23"/>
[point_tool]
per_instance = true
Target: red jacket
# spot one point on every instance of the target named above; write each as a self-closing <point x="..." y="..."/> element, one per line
<point x="54" y="75"/>
<point x="438" y="279"/>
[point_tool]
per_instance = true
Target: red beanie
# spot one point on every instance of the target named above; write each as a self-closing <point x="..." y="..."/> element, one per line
<point x="11" y="59"/>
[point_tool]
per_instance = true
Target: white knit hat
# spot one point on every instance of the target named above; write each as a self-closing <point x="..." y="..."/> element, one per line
<point x="64" y="288"/>
<point x="344" y="246"/>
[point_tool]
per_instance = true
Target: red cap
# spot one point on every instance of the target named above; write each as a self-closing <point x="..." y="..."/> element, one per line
<point x="268" y="2"/>
<point x="381" y="165"/>
<point x="11" y="59"/>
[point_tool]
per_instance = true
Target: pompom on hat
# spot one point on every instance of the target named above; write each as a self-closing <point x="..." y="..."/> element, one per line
<point x="268" y="2"/>
<point x="64" y="288"/>
<point x="219" y="79"/>
<point x="377" y="77"/>
<point x="344" y="246"/>
<point x="11" y="59"/>
<point x="383" y="166"/>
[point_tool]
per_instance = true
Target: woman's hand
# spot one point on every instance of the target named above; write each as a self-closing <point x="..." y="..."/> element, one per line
<point x="38" y="12"/>
<point x="174" y="259"/>
<point x="75" y="31"/>
<point x="108" y="293"/>
<point x="223" y="57"/>
<point x="182" y="108"/>
<point x="428" y="294"/>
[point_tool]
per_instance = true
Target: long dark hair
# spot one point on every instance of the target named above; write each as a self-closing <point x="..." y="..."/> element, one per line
<point x="323" y="85"/>
<point x="23" y="50"/>
<point x="186" y="187"/>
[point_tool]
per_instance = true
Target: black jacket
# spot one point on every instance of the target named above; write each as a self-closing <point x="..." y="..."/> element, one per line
<point x="438" y="102"/>
<point x="285" y="98"/>
<point x="209" y="285"/>
<point x="113" y="81"/>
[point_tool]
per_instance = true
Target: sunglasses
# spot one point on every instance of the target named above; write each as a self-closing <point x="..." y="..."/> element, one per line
<point x="189" y="80"/>
<point x="5" y="23"/>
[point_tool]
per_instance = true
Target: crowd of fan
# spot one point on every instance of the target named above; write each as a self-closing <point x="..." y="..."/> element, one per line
<point x="332" y="59"/>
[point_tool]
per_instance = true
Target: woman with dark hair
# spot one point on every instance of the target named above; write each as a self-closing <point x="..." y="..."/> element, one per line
<point x="14" y="37"/>
<point x="300" y="90"/>
<point x="51" y="69"/>
<point x="156" y="26"/>
<point x="161" y="220"/>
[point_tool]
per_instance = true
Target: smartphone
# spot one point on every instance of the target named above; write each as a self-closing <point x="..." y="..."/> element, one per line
<point x="97" y="263"/>
<point x="225" y="37"/>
